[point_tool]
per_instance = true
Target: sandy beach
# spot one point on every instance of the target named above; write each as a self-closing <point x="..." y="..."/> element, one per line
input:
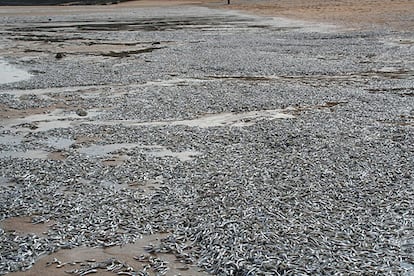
<point x="395" y="14"/>
<point x="353" y="13"/>
<point x="192" y="137"/>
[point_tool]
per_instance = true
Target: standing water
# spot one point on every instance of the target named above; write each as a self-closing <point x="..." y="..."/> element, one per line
<point x="9" y="73"/>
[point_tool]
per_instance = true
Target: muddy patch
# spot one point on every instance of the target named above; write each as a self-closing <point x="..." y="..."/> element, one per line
<point x="57" y="155"/>
<point x="7" y="112"/>
<point x="128" y="259"/>
<point x="11" y="113"/>
<point x="25" y="225"/>
<point x="83" y="139"/>
<point x="48" y="42"/>
<point x="57" y="118"/>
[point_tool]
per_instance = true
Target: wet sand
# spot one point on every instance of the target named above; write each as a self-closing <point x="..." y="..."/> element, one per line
<point x="59" y="263"/>
<point x="24" y="225"/>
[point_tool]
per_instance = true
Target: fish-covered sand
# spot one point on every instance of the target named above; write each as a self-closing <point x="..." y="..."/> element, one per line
<point x="200" y="138"/>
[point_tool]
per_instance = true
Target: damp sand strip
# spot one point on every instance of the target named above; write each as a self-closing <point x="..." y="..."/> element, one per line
<point x="225" y="119"/>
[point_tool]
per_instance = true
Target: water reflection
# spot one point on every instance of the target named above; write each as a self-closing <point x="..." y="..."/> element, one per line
<point x="9" y="73"/>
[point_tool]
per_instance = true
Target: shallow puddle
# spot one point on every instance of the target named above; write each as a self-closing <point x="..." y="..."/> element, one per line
<point x="58" y="118"/>
<point x="10" y="140"/>
<point x="10" y="73"/>
<point x="30" y="154"/>
<point x="59" y="144"/>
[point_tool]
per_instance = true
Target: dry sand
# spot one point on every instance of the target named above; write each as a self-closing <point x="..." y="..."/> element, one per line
<point x="395" y="14"/>
<point x="390" y="13"/>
